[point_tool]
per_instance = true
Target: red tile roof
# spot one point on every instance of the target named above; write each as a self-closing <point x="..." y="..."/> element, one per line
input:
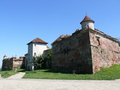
<point x="86" y="18"/>
<point x="37" y="40"/>
<point x="61" y="37"/>
<point x="26" y="54"/>
<point x="4" y="56"/>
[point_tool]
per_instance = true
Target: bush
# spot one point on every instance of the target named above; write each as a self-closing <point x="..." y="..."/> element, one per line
<point x="44" y="61"/>
<point x="38" y="62"/>
<point x="48" y="59"/>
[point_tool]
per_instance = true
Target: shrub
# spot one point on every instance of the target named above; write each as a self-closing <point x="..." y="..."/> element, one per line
<point x="38" y="62"/>
<point x="48" y="59"/>
<point x="44" y="61"/>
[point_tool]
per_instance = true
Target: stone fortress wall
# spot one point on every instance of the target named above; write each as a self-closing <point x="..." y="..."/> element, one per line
<point x="12" y="63"/>
<point x="85" y="51"/>
<point x="105" y="50"/>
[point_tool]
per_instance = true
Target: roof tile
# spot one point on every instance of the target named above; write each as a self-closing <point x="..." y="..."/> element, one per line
<point x="37" y="40"/>
<point x="86" y="18"/>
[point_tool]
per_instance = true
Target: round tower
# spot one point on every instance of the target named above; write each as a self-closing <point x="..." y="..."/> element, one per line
<point x="4" y="57"/>
<point x="87" y="23"/>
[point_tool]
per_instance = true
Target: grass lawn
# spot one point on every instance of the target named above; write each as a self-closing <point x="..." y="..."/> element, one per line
<point x="110" y="73"/>
<point x="6" y="74"/>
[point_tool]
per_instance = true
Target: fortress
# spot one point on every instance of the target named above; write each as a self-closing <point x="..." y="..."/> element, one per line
<point x="85" y="51"/>
<point x="12" y="63"/>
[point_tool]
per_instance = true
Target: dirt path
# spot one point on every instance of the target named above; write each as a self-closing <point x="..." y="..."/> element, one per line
<point x="17" y="76"/>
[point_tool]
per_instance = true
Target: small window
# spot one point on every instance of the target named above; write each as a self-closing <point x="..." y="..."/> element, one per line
<point x="98" y="40"/>
<point x="87" y="26"/>
<point x="34" y="44"/>
<point x="34" y="54"/>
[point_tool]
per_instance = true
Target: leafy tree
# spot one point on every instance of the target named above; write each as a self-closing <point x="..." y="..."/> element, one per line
<point x="48" y="59"/>
<point x="38" y="62"/>
<point x="43" y="61"/>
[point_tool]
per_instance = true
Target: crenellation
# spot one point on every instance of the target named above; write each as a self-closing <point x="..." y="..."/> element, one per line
<point x="12" y="63"/>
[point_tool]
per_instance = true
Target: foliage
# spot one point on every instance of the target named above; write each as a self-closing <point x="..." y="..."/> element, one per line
<point x="44" y="61"/>
<point x="48" y="59"/>
<point x="110" y="73"/>
<point x="38" y="62"/>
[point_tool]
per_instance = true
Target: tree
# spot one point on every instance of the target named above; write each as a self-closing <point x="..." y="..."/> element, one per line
<point x="48" y="59"/>
<point x="38" y="62"/>
<point x="43" y="61"/>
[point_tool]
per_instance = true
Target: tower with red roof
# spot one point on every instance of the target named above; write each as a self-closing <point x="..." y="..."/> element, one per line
<point x="35" y="48"/>
<point x="87" y="22"/>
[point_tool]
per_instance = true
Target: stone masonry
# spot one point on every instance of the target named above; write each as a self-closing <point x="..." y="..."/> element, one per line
<point x="12" y="63"/>
<point x="85" y="51"/>
<point x="105" y="50"/>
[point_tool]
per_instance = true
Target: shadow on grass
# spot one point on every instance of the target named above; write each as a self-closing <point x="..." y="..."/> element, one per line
<point x="21" y="70"/>
<point x="51" y="71"/>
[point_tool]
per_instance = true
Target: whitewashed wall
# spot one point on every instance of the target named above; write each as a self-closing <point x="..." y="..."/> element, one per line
<point x="34" y="49"/>
<point x="88" y="24"/>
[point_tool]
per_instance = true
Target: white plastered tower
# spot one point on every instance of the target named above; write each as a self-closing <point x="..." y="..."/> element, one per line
<point x="35" y="48"/>
<point x="87" y="23"/>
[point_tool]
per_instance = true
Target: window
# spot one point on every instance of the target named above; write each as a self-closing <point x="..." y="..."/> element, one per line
<point x="98" y="40"/>
<point x="34" y="54"/>
<point x="87" y="26"/>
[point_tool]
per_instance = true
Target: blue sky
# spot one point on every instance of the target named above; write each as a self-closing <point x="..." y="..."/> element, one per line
<point x="23" y="20"/>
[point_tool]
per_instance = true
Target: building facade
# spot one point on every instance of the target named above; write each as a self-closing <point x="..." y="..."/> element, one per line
<point x="35" y="48"/>
<point x="85" y="51"/>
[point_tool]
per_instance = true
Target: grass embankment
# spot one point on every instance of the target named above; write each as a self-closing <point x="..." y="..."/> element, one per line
<point x="110" y="73"/>
<point x="5" y="74"/>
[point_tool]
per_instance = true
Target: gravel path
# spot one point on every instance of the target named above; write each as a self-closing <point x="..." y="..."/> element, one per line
<point x="45" y="84"/>
<point x="17" y="76"/>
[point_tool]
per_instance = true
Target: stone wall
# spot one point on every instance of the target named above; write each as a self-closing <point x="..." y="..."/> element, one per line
<point x="7" y="64"/>
<point x="105" y="50"/>
<point x="12" y="63"/>
<point x="86" y="51"/>
<point x="73" y="54"/>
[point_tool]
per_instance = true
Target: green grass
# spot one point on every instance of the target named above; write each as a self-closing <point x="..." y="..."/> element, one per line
<point x="110" y="73"/>
<point x="6" y="74"/>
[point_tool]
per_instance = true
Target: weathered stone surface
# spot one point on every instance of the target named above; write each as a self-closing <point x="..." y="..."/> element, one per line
<point x="12" y="63"/>
<point x="105" y="52"/>
<point x="73" y="54"/>
<point x="86" y="51"/>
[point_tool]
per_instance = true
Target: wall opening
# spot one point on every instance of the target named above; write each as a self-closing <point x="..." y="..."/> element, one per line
<point x="98" y="40"/>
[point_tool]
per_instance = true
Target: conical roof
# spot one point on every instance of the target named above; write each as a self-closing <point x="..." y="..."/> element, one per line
<point x="37" y="40"/>
<point x="86" y="18"/>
